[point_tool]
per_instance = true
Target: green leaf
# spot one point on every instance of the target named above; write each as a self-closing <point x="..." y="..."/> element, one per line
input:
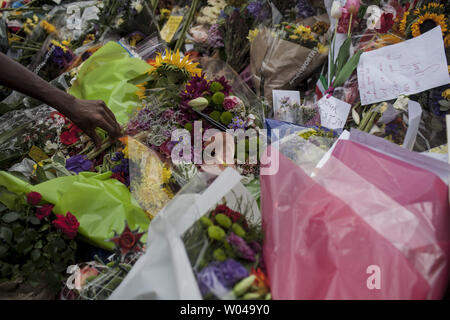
<point x="35" y="220"/>
<point x="38" y="245"/>
<point x="6" y="234"/>
<point x="343" y="55"/>
<point x="59" y="243"/>
<point x="40" y="173"/>
<point x="3" y="207"/>
<point x="10" y="217"/>
<point x="3" y="249"/>
<point x="35" y="254"/>
<point x="347" y="70"/>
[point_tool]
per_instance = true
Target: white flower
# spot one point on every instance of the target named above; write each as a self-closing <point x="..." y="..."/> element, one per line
<point x="336" y="9"/>
<point x="373" y="15"/>
<point x="401" y="103"/>
<point x="49" y="146"/>
<point x="137" y="5"/>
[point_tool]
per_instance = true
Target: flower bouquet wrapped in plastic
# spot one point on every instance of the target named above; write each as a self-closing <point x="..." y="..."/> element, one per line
<point x="371" y="222"/>
<point x="186" y="261"/>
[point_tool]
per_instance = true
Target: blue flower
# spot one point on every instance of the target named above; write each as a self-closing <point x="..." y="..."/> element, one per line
<point x="78" y="163"/>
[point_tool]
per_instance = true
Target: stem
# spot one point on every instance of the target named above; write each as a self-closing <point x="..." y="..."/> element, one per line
<point x="371" y="122"/>
<point x="350" y="24"/>
<point x="189" y="19"/>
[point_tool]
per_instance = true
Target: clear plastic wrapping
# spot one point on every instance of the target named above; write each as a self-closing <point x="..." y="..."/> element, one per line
<point x="367" y="225"/>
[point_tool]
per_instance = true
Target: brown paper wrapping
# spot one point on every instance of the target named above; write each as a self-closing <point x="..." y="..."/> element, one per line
<point x="277" y="62"/>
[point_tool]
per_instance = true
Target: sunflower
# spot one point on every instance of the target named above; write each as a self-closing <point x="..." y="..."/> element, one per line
<point x="447" y="40"/>
<point x="173" y="59"/>
<point x="402" y="26"/>
<point x="427" y="22"/>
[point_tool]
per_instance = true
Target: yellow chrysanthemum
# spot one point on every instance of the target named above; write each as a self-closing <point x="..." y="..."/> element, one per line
<point x="302" y="30"/>
<point x="293" y="37"/>
<point x="252" y="34"/>
<point x="174" y="59"/>
<point x="446" y="94"/>
<point x="48" y="27"/>
<point x="438" y="19"/>
<point x="58" y="44"/>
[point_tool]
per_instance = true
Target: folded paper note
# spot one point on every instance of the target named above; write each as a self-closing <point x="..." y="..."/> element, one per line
<point x="333" y="112"/>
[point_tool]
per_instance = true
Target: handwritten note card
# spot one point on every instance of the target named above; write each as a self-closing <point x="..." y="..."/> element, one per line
<point x="333" y="112"/>
<point x="408" y="67"/>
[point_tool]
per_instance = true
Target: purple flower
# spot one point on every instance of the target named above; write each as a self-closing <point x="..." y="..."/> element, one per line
<point x="232" y="272"/>
<point x="78" y="163"/>
<point x="237" y="123"/>
<point x="241" y="247"/>
<point x="257" y="10"/>
<point x="215" y="39"/>
<point x="219" y="277"/>
<point x="304" y="9"/>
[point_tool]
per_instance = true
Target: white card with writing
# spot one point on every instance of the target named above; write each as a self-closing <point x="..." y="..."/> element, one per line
<point x="408" y="67"/>
<point x="333" y="112"/>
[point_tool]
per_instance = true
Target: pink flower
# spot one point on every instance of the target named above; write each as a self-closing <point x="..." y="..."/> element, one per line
<point x="352" y="6"/>
<point x="231" y="102"/>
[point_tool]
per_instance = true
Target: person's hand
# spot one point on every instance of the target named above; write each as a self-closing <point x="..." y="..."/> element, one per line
<point x="90" y="114"/>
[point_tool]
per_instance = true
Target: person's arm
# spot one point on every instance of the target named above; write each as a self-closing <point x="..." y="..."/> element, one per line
<point x="86" y="114"/>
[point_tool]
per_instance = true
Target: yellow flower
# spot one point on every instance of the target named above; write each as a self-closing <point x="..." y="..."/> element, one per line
<point x="48" y="27"/>
<point x="293" y="37"/>
<point x="165" y="13"/>
<point x="446" y="94"/>
<point x="302" y="30"/>
<point x="252" y="34"/>
<point x="402" y="26"/>
<point x="135" y="38"/>
<point x="89" y="38"/>
<point x="66" y="42"/>
<point x="322" y="49"/>
<point x="447" y="40"/>
<point x="141" y="92"/>
<point x="439" y="20"/>
<point x="174" y="59"/>
<point x="166" y="174"/>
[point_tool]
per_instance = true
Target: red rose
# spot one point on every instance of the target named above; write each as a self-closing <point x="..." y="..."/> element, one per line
<point x="70" y="136"/>
<point x="44" y="211"/>
<point x="68" y="224"/>
<point x="34" y="198"/>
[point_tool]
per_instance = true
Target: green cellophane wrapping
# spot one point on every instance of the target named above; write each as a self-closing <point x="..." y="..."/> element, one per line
<point x="100" y="204"/>
<point x="105" y="75"/>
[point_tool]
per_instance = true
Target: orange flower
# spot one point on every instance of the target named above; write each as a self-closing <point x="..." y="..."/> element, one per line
<point x="261" y="281"/>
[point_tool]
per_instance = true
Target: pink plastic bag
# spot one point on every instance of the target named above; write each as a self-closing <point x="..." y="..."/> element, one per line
<point x="363" y="211"/>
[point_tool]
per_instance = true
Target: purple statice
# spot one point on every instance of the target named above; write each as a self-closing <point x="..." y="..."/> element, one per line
<point x="78" y="163"/>
<point x="257" y="10"/>
<point x="304" y="9"/>
<point x="237" y="123"/>
<point x="219" y="277"/>
<point x="241" y="247"/>
<point x="215" y="39"/>
<point x="121" y="171"/>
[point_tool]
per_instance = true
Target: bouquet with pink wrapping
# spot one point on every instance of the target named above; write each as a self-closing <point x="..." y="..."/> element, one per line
<point x="371" y="223"/>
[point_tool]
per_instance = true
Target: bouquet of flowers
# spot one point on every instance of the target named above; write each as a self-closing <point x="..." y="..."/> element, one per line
<point x="283" y="57"/>
<point x="225" y="253"/>
<point x="179" y="231"/>
<point x="36" y="245"/>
